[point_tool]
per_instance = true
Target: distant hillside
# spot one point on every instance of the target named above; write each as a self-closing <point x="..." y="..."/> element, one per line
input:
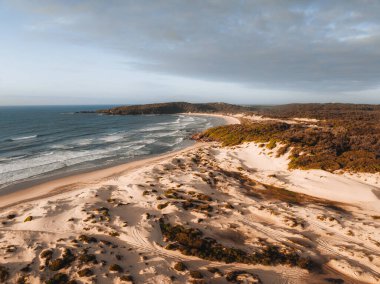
<point x="323" y="111"/>
<point x="175" y="107"/>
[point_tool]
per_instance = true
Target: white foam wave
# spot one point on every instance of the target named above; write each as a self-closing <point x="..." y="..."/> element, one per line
<point x="112" y="138"/>
<point x="163" y="134"/>
<point x="61" y="147"/>
<point x="12" y="158"/>
<point x="83" y="142"/>
<point x="147" y="141"/>
<point x="33" y="166"/>
<point x="24" y="137"/>
<point x="155" y="128"/>
<point x="171" y="144"/>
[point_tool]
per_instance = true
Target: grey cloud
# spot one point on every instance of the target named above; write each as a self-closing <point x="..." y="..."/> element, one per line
<point x="327" y="46"/>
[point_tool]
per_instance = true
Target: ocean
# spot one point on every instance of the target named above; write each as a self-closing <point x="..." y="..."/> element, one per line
<point x="43" y="142"/>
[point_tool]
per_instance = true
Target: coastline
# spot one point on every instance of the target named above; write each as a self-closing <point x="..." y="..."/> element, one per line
<point x="229" y="119"/>
<point x="59" y="185"/>
<point x="243" y="197"/>
<point x="69" y="183"/>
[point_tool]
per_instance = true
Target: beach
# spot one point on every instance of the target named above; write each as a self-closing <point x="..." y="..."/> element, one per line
<point x="107" y="226"/>
<point x="58" y="185"/>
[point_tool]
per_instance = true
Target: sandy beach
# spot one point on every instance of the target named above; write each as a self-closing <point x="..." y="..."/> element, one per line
<point x="107" y="226"/>
<point x="66" y="183"/>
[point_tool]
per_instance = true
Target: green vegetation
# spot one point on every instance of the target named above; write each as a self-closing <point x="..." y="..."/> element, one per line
<point x="4" y="274"/>
<point x="350" y="112"/>
<point x="63" y="262"/>
<point x="190" y="241"/>
<point x="114" y="234"/>
<point x="87" y="258"/>
<point x="85" y="272"/>
<point x="11" y="216"/>
<point x="28" y="219"/>
<point x="196" y="274"/>
<point x="272" y="144"/>
<point x="332" y="146"/>
<point x="162" y="206"/>
<point x="233" y="276"/>
<point x="127" y="278"/>
<point x="180" y="266"/>
<point x="87" y="239"/>
<point x="213" y="270"/>
<point x="58" y="278"/>
<point x="175" y="107"/>
<point x="116" y="268"/>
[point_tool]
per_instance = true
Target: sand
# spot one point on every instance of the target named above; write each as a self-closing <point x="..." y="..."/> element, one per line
<point x="332" y="218"/>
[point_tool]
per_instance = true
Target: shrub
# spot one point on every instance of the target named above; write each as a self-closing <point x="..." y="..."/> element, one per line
<point x="196" y="274"/>
<point x="11" y="216"/>
<point x="162" y="206"/>
<point x="87" y="258"/>
<point x="114" y="234"/>
<point x="115" y="268"/>
<point x="272" y="144"/>
<point x="46" y="254"/>
<point x="127" y="278"/>
<point x="65" y="261"/>
<point x="4" y="274"/>
<point x="87" y="239"/>
<point x="180" y="266"/>
<point x="235" y="276"/>
<point x="191" y="241"/>
<point x="213" y="270"/>
<point x="86" y="272"/>
<point x="58" y="278"/>
<point x="28" y="219"/>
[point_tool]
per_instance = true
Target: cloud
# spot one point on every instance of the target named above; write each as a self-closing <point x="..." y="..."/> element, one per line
<point x="324" y="46"/>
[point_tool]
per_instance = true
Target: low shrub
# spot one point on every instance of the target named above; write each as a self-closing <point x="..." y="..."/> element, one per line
<point x="28" y="219"/>
<point x="86" y="272"/>
<point x="4" y="274"/>
<point x="163" y="205"/>
<point x="58" y="278"/>
<point x="87" y="239"/>
<point x="190" y="241"/>
<point x="180" y="266"/>
<point x="115" y="268"/>
<point x="63" y="262"/>
<point x="196" y="274"/>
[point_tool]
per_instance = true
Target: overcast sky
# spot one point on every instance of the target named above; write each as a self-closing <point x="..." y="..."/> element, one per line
<point x="122" y="52"/>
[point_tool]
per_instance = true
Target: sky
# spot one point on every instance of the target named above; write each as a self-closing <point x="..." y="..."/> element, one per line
<point x="242" y="51"/>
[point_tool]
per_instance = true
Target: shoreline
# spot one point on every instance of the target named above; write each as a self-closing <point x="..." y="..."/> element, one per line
<point x="49" y="187"/>
<point x="243" y="197"/>
<point x="66" y="184"/>
<point x="229" y="119"/>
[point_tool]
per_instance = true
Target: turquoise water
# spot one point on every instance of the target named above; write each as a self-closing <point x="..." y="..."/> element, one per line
<point x="40" y="142"/>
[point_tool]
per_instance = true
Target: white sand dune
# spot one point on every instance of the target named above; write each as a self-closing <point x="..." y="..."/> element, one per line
<point x="336" y="187"/>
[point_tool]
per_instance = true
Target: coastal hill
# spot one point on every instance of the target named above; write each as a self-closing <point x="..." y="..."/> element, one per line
<point x="337" y="111"/>
<point x="324" y="111"/>
<point x="175" y="107"/>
